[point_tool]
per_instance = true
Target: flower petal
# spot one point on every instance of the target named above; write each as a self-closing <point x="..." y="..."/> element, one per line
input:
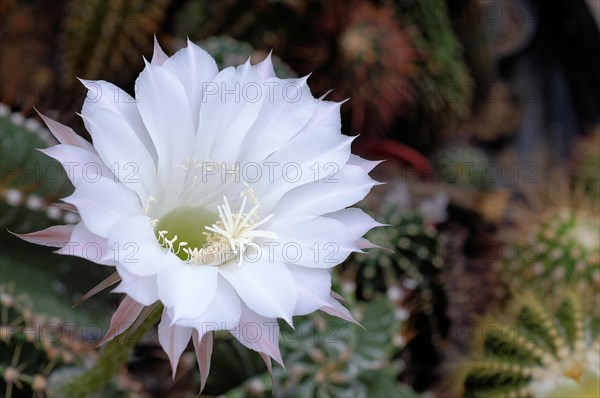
<point x="223" y="313"/>
<point x="265" y="287"/>
<point x="122" y="319"/>
<point x="356" y="221"/>
<point x="259" y="333"/>
<point x="316" y="242"/>
<point x="163" y="105"/>
<point x="107" y="96"/>
<point x="342" y="189"/>
<point x="81" y="166"/>
<point x="173" y="339"/>
<point x="102" y="203"/>
<point x="194" y="67"/>
<point x="120" y="147"/>
<point x="186" y="288"/>
<point x="135" y="247"/>
<point x="158" y="56"/>
<point x="334" y="308"/>
<point x="287" y="107"/>
<point x="54" y="236"/>
<point x="203" y="347"/>
<point x="228" y="111"/>
<point x="143" y="289"/>
<point x="85" y="244"/>
<point x="313" y="287"/>
<point x="66" y="135"/>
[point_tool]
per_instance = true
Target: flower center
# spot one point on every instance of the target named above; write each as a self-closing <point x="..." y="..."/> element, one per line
<point x="201" y="236"/>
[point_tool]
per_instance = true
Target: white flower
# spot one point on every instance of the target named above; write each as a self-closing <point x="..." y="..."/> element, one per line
<point x="221" y="195"/>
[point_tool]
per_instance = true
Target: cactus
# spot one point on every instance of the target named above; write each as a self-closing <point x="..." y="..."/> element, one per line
<point x="464" y="166"/>
<point x="407" y="271"/>
<point x="32" y="346"/>
<point x="99" y="36"/>
<point x="229" y="52"/>
<point x="328" y="357"/>
<point x="587" y="159"/>
<point x="376" y="64"/>
<point x="540" y="350"/>
<point x="563" y="247"/>
<point x="443" y="81"/>
<point x="29" y="180"/>
<point x="113" y="355"/>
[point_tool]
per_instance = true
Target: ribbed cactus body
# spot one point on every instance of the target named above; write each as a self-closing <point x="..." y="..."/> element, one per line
<point x="32" y="346"/>
<point x="546" y="347"/>
<point x="328" y="357"/>
<point x="563" y="248"/>
<point x="29" y="180"/>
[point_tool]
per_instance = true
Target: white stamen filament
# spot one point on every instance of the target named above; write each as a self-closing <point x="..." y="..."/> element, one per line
<point x="231" y="236"/>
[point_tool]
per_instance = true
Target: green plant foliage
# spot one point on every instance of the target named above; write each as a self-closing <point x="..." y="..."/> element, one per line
<point x="546" y="348"/>
<point x="112" y="356"/>
<point x="329" y="357"/>
<point x="464" y="166"/>
<point x="32" y="346"/>
<point x="563" y="247"/>
<point x="29" y="180"/>
<point x="231" y="52"/>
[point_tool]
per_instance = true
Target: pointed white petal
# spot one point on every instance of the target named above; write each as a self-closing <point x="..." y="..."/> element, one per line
<point x="54" y="236"/>
<point x="265" y="287"/>
<point x="356" y="221"/>
<point x="122" y="319"/>
<point x="173" y="339"/>
<point x="83" y="243"/>
<point x="142" y="289"/>
<point x="187" y="288"/>
<point x="203" y="347"/>
<point x="194" y="68"/>
<point x="81" y="165"/>
<point x="288" y="105"/>
<point x="259" y="333"/>
<point x="314" y="286"/>
<point x="158" y="56"/>
<point x="103" y="202"/>
<point x="230" y="107"/>
<point x="223" y="313"/>
<point x="346" y="187"/>
<point x="66" y="135"/>
<point x="107" y="96"/>
<point x="120" y="148"/>
<point x="316" y="242"/>
<point x="163" y="104"/>
<point x="134" y="246"/>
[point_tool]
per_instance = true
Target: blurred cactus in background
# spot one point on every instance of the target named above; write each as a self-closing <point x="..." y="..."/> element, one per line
<point x="99" y="37"/>
<point x="231" y="52"/>
<point x="563" y="247"/>
<point x="32" y="346"/>
<point x="464" y="166"/>
<point x="29" y="180"/>
<point x="331" y="358"/>
<point x="443" y="88"/>
<point x="375" y="62"/>
<point x="543" y="347"/>
<point x="406" y="270"/>
<point x="587" y="164"/>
